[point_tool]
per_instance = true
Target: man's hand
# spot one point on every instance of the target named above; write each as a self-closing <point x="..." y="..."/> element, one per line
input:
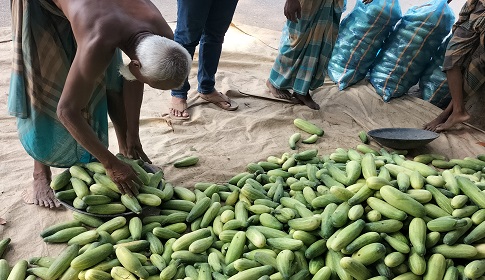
<point x="125" y="177"/>
<point x="366" y="1"/>
<point x="293" y="10"/>
<point x="134" y="149"/>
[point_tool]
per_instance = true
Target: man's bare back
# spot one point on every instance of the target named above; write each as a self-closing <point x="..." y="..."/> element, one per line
<point x="115" y="22"/>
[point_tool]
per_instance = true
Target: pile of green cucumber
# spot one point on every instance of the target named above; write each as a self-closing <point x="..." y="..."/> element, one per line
<point x="356" y="213"/>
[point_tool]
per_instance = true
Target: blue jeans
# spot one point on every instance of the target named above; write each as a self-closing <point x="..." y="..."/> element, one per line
<point x="205" y="22"/>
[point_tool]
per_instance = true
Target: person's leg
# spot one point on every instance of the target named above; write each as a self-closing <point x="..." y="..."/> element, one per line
<point x="458" y="52"/>
<point x="43" y="195"/>
<point x="325" y="31"/>
<point x="117" y="115"/>
<point x="191" y="18"/>
<point x="307" y="100"/>
<point x="471" y="82"/>
<point x="218" y="21"/>
<point x="279" y="72"/>
<point x="116" y="87"/>
<point x="299" y="65"/>
<point x="458" y="112"/>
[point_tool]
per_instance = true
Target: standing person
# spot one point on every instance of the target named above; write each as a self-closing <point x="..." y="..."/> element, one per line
<point x="306" y="45"/>
<point x="205" y="22"/>
<point x="65" y="80"/>
<point x="464" y="72"/>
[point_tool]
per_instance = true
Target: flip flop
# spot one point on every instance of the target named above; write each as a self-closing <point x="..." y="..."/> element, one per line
<point x="221" y="101"/>
<point x="181" y="108"/>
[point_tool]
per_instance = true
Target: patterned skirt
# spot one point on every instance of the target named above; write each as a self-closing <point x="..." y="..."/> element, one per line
<point x="305" y="47"/>
<point x="466" y="47"/>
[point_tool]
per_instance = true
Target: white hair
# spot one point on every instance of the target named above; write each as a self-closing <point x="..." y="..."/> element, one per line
<point x="163" y="59"/>
<point x="160" y="59"/>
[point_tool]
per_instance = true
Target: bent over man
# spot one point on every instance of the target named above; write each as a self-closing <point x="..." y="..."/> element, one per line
<point x="65" y="80"/>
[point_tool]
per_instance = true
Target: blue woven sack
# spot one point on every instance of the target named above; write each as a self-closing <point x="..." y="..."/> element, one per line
<point x="433" y="83"/>
<point x="408" y="51"/>
<point x="361" y="35"/>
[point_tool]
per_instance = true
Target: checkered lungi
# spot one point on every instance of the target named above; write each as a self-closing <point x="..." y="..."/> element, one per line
<point x="306" y="46"/>
<point x="465" y="49"/>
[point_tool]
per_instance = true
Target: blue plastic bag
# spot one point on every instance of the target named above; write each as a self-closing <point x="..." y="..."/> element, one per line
<point x="409" y="48"/>
<point x="433" y="83"/>
<point x="361" y="35"/>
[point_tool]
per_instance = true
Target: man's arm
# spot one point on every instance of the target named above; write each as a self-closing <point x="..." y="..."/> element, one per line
<point x="89" y="63"/>
<point x="133" y="97"/>
<point x="161" y="26"/>
<point x="164" y="30"/>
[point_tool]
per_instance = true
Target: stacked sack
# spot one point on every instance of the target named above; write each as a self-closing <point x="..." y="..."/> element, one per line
<point x="409" y="48"/>
<point x="433" y="83"/>
<point x="361" y="36"/>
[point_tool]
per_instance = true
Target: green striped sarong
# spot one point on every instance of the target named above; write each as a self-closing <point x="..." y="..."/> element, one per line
<point x="43" y="51"/>
<point x="305" y="47"/>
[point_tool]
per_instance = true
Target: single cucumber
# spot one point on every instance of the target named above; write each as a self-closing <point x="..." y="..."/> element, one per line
<point x="308" y="127"/>
<point x="187" y="161"/>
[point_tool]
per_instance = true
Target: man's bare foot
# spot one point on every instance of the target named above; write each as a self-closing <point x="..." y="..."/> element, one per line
<point x="178" y="110"/>
<point x="308" y="101"/>
<point x="441" y="118"/>
<point x="43" y="194"/>
<point x="279" y="93"/>
<point x="431" y="126"/>
<point x="452" y="120"/>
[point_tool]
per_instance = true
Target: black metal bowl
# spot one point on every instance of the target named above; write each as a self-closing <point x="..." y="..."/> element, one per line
<point x="68" y="204"/>
<point x="403" y="138"/>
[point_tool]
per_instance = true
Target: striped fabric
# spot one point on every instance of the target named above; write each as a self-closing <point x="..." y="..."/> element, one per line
<point x="468" y="17"/>
<point x="306" y="47"/>
<point x="468" y="36"/>
<point x="474" y="77"/>
<point x="44" y="48"/>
